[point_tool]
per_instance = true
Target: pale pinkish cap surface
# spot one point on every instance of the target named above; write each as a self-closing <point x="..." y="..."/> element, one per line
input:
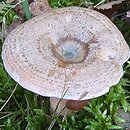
<point x="75" y="52"/>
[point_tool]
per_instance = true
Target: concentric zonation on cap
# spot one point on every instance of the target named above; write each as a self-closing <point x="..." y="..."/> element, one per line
<point x="28" y="57"/>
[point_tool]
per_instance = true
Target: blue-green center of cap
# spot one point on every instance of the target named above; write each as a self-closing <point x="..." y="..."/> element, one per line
<point x="70" y="50"/>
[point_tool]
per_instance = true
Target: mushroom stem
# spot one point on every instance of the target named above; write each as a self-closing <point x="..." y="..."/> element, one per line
<point x="65" y="107"/>
<point x="59" y="106"/>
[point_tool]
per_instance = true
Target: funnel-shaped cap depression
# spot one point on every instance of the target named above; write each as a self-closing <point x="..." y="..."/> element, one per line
<point x="74" y="53"/>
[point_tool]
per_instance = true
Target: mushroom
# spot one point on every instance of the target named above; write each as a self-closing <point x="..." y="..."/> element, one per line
<point x="38" y="7"/>
<point x="70" y="53"/>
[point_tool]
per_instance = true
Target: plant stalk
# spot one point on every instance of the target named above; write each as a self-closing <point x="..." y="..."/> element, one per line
<point x="26" y="10"/>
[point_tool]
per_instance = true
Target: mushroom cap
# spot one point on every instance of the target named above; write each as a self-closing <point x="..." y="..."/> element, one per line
<point x="72" y="53"/>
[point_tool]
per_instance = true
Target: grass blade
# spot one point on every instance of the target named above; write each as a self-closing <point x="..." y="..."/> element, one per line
<point x="26" y="9"/>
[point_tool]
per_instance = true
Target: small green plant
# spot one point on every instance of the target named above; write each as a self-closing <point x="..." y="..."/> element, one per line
<point x="8" y="15"/>
<point x="65" y="3"/>
<point x="105" y="108"/>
